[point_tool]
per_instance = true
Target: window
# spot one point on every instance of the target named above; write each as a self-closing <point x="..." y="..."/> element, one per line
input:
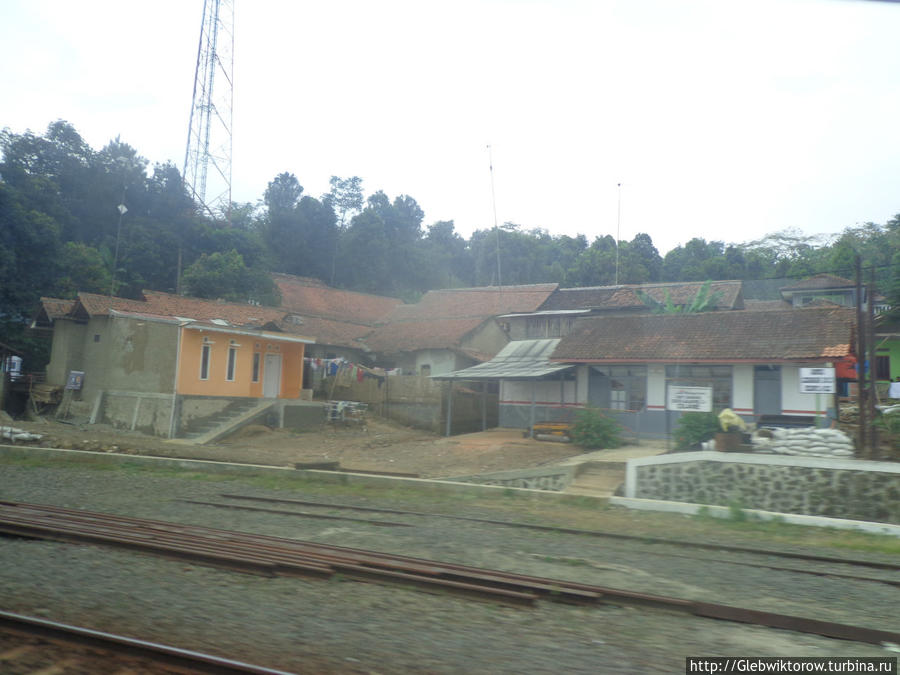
<point x="425" y="370"/>
<point x="717" y="377"/>
<point x="256" y="366"/>
<point x="232" y="358"/>
<point x="627" y="386"/>
<point x="204" y="362"/>
<point x="96" y="337"/>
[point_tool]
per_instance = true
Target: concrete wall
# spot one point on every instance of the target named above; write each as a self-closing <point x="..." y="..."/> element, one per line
<point x="115" y="354"/>
<point x="489" y="338"/>
<point x="516" y="398"/>
<point x="440" y="361"/>
<point x="65" y="350"/>
<point x="136" y="411"/>
<point x="850" y="489"/>
<point x="418" y="402"/>
<point x="795" y="403"/>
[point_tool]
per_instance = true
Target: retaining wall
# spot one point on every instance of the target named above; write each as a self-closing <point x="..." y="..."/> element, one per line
<point x="551" y="478"/>
<point x="849" y="489"/>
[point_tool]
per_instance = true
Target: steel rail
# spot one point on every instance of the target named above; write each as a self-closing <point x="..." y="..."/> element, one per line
<point x="275" y="555"/>
<point x="379" y="523"/>
<point x="173" y="657"/>
<point x="592" y="533"/>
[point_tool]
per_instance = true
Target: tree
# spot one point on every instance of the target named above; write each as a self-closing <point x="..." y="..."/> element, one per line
<point x="300" y="231"/>
<point x="345" y="197"/>
<point x="224" y="275"/>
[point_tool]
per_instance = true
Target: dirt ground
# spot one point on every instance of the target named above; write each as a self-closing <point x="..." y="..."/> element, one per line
<point x="383" y="446"/>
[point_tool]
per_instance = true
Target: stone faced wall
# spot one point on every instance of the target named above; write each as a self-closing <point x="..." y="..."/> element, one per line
<point x="852" y="489"/>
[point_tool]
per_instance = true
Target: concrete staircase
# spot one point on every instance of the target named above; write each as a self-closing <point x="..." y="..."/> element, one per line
<point x="236" y="415"/>
<point x="597" y="478"/>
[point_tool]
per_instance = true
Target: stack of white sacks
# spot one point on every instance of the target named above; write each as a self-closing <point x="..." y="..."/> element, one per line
<point x="805" y="442"/>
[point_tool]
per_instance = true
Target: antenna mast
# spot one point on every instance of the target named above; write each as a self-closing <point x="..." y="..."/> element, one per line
<point x="494" y="204"/>
<point x="618" y="228"/>
<point x="209" y="129"/>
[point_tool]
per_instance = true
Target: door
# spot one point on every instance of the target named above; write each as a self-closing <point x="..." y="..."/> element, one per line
<point x="272" y="376"/>
<point x="767" y="390"/>
<point x="599" y="389"/>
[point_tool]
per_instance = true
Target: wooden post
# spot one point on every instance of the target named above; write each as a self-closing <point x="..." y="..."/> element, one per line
<point x="449" y="404"/>
<point x="484" y="405"/>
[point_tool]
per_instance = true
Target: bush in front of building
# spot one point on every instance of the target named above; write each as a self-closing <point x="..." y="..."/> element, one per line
<point x="694" y="428"/>
<point x="593" y="429"/>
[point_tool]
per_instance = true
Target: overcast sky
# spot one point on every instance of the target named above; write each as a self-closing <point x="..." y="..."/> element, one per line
<point x="721" y="119"/>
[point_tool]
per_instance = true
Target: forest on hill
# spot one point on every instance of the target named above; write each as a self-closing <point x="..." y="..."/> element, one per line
<point x="62" y="231"/>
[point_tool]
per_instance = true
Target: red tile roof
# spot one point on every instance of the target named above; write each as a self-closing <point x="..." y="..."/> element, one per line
<point x="628" y="297"/>
<point x="168" y="306"/>
<point x="54" y="308"/>
<point x="820" y="282"/>
<point x="336" y="333"/>
<point x="483" y="302"/>
<point x="310" y="297"/>
<point x="801" y="334"/>
<point x="767" y="305"/>
<point x="405" y="336"/>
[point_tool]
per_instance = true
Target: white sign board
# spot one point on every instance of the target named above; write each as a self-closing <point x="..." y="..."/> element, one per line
<point x="693" y="399"/>
<point x="817" y="381"/>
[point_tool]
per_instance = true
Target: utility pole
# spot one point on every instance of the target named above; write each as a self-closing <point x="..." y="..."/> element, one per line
<point x="862" y="404"/>
<point x="872" y="359"/>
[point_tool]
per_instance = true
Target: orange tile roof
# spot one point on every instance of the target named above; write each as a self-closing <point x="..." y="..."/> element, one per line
<point x="307" y="296"/>
<point x="169" y="306"/>
<point x="801" y="334"/>
<point x="820" y="282"/>
<point x="56" y="307"/>
<point x="483" y="302"/>
<point x="404" y="336"/>
<point x="628" y="296"/>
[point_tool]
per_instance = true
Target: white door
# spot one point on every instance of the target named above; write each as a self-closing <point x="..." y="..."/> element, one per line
<point x="272" y="376"/>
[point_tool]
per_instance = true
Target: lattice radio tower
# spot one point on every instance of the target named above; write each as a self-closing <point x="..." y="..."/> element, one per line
<point x="207" y="158"/>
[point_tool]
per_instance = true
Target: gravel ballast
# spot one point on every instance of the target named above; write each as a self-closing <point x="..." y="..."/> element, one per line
<point x="342" y="626"/>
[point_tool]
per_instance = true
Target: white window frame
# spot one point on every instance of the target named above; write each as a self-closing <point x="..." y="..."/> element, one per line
<point x="231" y="364"/>
<point x="205" y="360"/>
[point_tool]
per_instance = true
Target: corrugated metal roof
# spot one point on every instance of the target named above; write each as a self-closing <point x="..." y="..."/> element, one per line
<point x="518" y="360"/>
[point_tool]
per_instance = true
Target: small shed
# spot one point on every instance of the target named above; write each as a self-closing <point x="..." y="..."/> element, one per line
<point x="532" y="388"/>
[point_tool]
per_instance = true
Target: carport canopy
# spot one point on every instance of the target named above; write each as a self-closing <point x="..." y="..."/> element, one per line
<point x="518" y="360"/>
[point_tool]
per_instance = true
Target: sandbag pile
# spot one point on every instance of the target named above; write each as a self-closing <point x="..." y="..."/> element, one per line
<point x="14" y="434"/>
<point x="805" y="442"/>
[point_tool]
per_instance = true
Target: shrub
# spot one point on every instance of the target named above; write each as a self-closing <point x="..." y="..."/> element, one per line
<point x="694" y="428"/>
<point x="593" y="429"/>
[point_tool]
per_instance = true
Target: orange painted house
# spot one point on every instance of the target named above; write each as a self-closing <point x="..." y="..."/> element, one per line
<point x="156" y="362"/>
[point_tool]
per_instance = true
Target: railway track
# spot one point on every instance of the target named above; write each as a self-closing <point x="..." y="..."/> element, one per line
<point x="32" y="645"/>
<point x="277" y="556"/>
<point x="874" y="564"/>
<point x="843" y="563"/>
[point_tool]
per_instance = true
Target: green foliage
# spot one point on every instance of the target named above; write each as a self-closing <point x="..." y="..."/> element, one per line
<point x="593" y="429"/>
<point x="694" y="428"/>
<point x="703" y="301"/>
<point x="890" y="423"/>
<point x="224" y="275"/>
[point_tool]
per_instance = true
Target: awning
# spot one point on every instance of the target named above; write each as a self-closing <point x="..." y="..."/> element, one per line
<point x="518" y="360"/>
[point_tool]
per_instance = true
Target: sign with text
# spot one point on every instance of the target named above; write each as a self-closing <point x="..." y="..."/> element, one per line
<point x="817" y="381"/>
<point x="689" y="399"/>
<point x="75" y="380"/>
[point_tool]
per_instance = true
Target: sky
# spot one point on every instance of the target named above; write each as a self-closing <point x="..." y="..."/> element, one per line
<point x="700" y="118"/>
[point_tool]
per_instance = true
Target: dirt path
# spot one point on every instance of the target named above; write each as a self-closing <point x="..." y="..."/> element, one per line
<point x="383" y="446"/>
